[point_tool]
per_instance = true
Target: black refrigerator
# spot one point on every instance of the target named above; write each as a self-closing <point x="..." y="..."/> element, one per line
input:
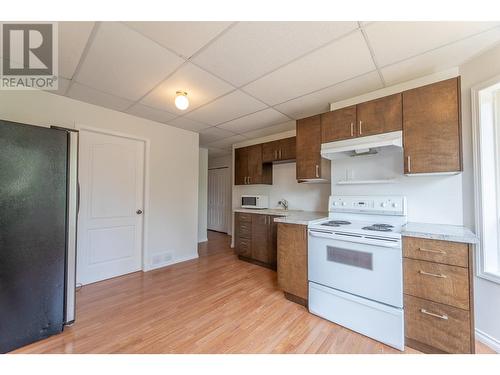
<point x="38" y="217"/>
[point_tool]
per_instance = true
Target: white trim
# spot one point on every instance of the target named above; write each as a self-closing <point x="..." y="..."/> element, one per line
<point x="476" y="163"/>
<point x="397" y="88"/>
<point x="488" y="340"/>
<point x="268" y="138"/>
<point x="172" y="262"/>
<point x="146" y="197"/>
<point x="205" y="239"/>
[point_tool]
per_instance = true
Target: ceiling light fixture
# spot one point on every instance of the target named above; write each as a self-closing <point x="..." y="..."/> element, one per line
<point x="181" y="100"/>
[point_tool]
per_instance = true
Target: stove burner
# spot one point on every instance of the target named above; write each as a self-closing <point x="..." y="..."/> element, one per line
<point x="336" y="223"/>
<point x="379" y="227"/>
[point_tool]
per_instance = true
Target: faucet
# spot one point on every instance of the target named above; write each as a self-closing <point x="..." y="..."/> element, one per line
<point x="284" y="203"/>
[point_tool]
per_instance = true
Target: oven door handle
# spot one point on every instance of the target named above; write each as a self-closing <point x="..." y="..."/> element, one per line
<point x="320" y="234"/>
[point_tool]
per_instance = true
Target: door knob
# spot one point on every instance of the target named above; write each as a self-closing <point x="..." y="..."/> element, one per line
<point x="138" y="212"/>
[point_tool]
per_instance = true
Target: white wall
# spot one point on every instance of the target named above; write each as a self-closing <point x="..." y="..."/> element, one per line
<point x="487" y="294"/>
<point x="306" y="197"/>
<point x="431" y="199"/>
<point x="202" y="195"/>
<point x="173" y="198"/>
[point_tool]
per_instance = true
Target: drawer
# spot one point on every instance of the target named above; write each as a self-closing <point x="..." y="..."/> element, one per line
<point x="244" y="217"/>
<point x="244" y="247"/>
<point x="443" y="327"/>
<point x="437" y="282"/>
<point x="446" y="252"/>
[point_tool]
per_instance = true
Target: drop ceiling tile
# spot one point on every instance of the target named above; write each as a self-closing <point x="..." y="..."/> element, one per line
<point x="122" y="62"/>
<point x="63" y="85"/>
<point x="201" y="87"/>
<point x="251" y="49"/>
<point x="89" y="95"/>
<point x="337" y="62"/>
<point x="270" y="130"/>
<point x="319" y="101"/>
<point x="213" y="134"/>
<point x="226" y="143"/>
<point x="73" y="37"/>
<point x="254" y="121"/>
<point x="185" y="38"/>
<point x="395" y="41"/>
<point x="443" y="58"/>
<point x="226" y="108"/>
<point x="187" y="124"/>
<point x="150" y="113"/>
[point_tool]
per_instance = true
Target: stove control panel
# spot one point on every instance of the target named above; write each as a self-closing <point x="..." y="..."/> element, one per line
<point x="389" y="205"/>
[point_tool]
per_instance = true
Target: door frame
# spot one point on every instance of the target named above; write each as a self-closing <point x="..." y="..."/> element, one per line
<point x="145" y="220"/>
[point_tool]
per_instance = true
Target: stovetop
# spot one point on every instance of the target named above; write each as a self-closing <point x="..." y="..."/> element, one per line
<point x="373" y="228"/>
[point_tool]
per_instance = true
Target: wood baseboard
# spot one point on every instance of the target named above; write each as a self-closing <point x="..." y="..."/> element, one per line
<point x="257" y="262"/>
<point x="296" y="299"/>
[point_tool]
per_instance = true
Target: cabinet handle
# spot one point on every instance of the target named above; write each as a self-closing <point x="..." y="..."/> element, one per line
<point x="352" y="129"/>
<point x="249" y="179"/>
<point x="317" y="171"/>
<point x="440" y="275"/>
<point x="408" y="163"/>
<point x="280" y="153"/>
<point x="360" y="127"/>
<point x="275" y="154"/>
<point x="432" y="251"/>
<point x="244" y="180"/>
<point x="424" y="311"/>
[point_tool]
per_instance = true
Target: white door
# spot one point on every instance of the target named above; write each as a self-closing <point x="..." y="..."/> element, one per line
<point x="218" y="199"/>
<point x="111" y="174"/>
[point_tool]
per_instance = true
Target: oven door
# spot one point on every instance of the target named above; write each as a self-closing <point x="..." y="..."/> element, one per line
<point x="371" y="270"/>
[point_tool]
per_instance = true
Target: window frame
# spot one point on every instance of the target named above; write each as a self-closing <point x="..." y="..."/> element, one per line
<point x="476" y="157"/>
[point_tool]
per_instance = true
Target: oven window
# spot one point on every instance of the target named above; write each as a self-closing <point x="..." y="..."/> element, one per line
<point x="248" y="201"/>
<point x="353" y="258"/>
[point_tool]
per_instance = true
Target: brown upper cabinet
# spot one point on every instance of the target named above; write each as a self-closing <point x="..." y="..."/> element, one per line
<point x="339" y="124"/>
<point x="248" y="167"/>
<point x="432" y="128"/>
<point x="280" y="150"/>
<point x="309" y="148"/>
<point x="382" y="115"/>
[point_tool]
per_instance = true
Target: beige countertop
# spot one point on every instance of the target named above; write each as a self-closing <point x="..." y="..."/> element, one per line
<point x="445" y="232"/>
<point x="288" y="216"/>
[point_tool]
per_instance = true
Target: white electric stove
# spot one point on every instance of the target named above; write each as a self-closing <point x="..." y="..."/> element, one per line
<point x="355" y="266"/>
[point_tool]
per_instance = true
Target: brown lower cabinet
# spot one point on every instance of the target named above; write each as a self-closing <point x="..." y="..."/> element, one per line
<point x="438" y="296"/>
<point x="292" y="262"/>
<point x="255" y="238"/>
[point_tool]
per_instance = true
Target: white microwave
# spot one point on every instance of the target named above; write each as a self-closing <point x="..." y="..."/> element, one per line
<point x="255" y="201"/>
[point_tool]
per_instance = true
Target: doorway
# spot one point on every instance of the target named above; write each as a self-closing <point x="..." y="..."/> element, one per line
<point x="110" y="231"/>
<point x="219" y="199"/>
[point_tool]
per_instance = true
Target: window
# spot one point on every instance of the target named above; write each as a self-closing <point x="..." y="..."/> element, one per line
<point x="486" y="143"/>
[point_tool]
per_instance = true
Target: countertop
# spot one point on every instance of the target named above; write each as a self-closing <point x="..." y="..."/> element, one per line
<point x="288" y="216"/>
<point x="445" y="232"/>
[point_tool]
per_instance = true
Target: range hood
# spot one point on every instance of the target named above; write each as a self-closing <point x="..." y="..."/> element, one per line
<point x="369" y="145"/>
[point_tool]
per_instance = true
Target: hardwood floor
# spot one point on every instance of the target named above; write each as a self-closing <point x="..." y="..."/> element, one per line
<point x="214" y="304"/>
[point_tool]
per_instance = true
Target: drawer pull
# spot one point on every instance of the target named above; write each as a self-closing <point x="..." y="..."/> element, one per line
<point x="424" y="311"/>
<point x="432" y="251"/>
<point x="440" y="275"/>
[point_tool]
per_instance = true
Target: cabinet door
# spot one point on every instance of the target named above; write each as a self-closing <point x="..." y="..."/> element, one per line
<point x="292" y="259"/>
<point x="309" y="148"/>
<point x="255" y="164"/>
<point x="240" y="166"/>
<point x="270" y="151"/>
<point x="287" y="149"/>
<point x="432" y="128"/>
<point x="381" y="115"/>
<point x="338" y="124"/>
<point x="260" y="238"/>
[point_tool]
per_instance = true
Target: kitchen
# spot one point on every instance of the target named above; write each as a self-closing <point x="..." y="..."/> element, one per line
<point x="392" y="175"/>
<point x="244" y="187"/>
